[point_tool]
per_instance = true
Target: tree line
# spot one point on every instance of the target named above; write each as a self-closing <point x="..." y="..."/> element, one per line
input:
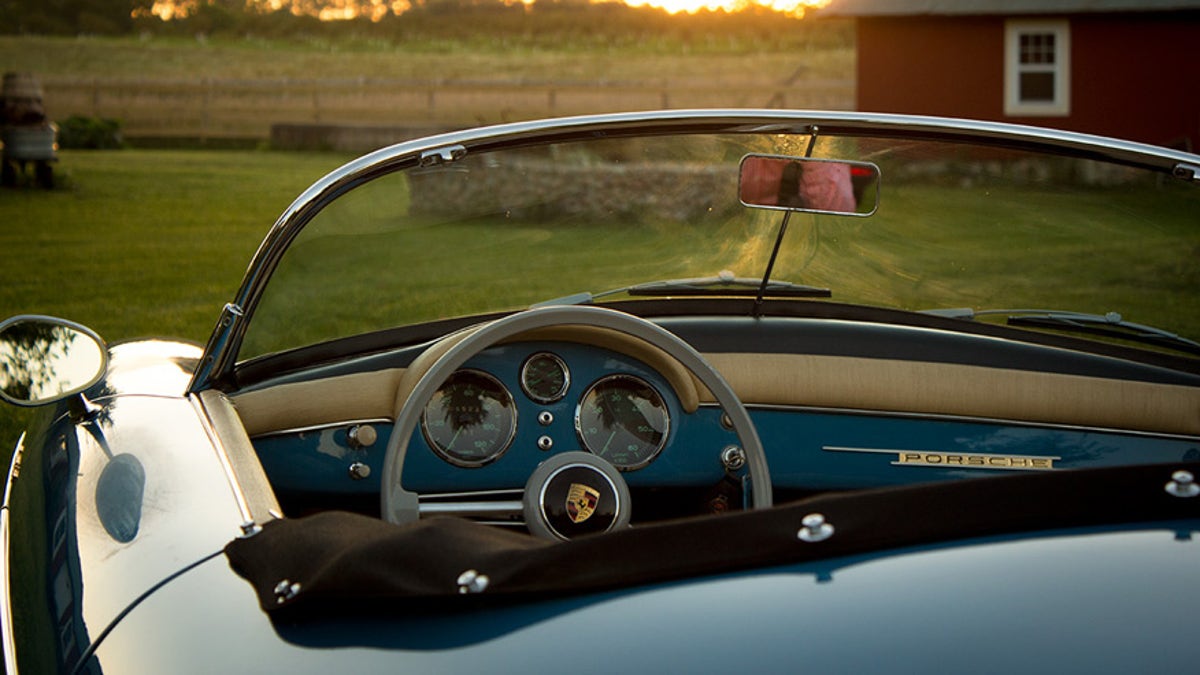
<point x="553" y="23"/>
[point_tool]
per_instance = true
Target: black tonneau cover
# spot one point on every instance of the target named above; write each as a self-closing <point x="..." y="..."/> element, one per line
<point x="345" y="562"/>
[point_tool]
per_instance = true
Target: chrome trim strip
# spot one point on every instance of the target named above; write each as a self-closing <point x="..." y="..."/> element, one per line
<point x="221" y="350"/>
<point x="243" y="504"/>
<point x="7" y="636"/>
<point x="943" y="417"/>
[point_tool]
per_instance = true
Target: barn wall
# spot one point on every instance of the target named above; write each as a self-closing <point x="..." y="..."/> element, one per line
<point x="1132" y="76"/>
<point x="1137" y="78"/>
<point x="931" y="66"/>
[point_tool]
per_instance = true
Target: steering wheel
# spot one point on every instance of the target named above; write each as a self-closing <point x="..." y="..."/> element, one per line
<point x="401" y="506"/>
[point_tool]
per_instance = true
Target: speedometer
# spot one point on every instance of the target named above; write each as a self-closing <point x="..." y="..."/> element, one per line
<point x="623" y="419"/>
<point x="471" y="419"/>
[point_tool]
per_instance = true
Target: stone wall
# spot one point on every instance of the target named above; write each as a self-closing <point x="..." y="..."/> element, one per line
<point x="591" y="193"/>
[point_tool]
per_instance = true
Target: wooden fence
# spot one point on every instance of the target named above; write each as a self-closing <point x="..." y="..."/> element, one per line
<point x="247" y="109"/>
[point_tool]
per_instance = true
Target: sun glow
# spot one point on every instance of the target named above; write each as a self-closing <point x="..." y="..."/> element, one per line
<point x="377" y="10"/>
<point x="792" y="8"/>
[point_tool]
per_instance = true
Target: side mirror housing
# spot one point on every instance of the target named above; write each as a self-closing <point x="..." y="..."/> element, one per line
<point x="44" y="359"/>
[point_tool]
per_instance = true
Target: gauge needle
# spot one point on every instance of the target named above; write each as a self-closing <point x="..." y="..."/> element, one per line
<point x="610" y="437"/>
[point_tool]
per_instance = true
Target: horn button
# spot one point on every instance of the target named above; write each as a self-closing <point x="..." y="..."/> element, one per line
<point x="575" y="494"/>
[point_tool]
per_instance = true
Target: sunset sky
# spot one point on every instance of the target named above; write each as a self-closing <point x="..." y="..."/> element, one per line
<point x="333" y="10"/>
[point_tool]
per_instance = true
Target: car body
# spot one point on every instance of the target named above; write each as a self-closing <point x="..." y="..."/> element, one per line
<point x="426" y="436"/>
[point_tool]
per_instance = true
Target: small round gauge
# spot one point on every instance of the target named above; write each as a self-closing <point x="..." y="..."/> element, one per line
<point x="545" y="377"/>
<point x="471" y="419"/>
<point x="623" y="419"/>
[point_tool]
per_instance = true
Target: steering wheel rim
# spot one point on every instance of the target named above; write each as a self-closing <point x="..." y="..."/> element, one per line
<point x="398" y="505"/>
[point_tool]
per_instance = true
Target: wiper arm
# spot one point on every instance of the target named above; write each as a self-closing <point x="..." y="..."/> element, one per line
<point x="1106" y="325"/>
<point x="727" y="284"/>
<point x="724" y="283"/>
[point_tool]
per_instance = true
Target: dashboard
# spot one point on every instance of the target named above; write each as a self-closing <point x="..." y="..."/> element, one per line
<point x="503" y="413"/>
<point x="867" y="422"/>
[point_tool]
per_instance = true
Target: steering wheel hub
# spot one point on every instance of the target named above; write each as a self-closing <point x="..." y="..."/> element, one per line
<point x="575" y="494"/>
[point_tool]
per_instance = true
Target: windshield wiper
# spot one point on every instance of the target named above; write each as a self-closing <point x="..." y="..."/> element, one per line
<point x="1106" y="325"/>
<point x="727" y="284"/>
<point x="724" y="283"/>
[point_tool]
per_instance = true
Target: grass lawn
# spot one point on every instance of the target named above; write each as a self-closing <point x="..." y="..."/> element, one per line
<point x="808" y="55"/>
<point x="141" y="243"/>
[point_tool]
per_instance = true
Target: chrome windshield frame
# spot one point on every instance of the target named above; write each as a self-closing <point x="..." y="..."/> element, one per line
<point x="217" y="365"/>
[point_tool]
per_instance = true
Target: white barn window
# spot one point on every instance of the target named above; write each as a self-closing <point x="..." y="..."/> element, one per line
<point x="1037" y="68"/>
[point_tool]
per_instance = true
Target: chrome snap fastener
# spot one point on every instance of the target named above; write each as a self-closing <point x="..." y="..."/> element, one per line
<point x="472" y="582"/>
<point x="814" y="528"/>
<point x="1183" y="485"/>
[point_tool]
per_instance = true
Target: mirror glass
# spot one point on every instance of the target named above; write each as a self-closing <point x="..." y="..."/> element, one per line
<point x="44" y="359"/>
<point x="810" y="185"/>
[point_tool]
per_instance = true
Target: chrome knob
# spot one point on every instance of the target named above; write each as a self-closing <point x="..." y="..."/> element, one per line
<point x="359" y="471"/>
<point x="362" y="436"/>
<point x="733" y="458"/>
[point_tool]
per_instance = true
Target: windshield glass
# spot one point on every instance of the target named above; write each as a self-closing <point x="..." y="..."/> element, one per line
<point x="955" y="227"/>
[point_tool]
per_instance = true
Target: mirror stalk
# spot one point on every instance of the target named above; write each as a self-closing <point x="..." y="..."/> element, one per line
<point x="81" y="409"/>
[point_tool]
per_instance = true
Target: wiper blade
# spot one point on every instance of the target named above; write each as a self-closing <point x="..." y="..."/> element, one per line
<point x="724" y="283"/>
<point x="1111" y="325"/>
<point x="727" y="284"/>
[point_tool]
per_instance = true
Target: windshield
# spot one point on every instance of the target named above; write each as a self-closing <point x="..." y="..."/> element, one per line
<point x="955" y="227"/>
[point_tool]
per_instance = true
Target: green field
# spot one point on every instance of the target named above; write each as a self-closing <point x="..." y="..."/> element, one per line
<point x="142" y="243"/>
<point x="817" y="53"/>
<point x="235" y="90"/>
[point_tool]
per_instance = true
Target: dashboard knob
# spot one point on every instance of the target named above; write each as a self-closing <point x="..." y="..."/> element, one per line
<point x="362" y="436"/>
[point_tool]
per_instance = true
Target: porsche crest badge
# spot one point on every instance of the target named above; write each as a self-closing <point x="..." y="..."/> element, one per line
<point x="581" y="502"/>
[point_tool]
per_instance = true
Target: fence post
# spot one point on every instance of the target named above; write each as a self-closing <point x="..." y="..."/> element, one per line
<point x="205" y="103"/>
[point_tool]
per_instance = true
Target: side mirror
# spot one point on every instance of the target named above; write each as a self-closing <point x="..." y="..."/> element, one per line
<point x="43" y="359"/>
<point x="810" y="185"/>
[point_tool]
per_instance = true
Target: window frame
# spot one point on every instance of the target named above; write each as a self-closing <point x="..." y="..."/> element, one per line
<point x="1060" y="105"/>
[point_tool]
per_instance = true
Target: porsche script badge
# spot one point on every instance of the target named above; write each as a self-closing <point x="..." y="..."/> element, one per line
<point x="581" y="502"/>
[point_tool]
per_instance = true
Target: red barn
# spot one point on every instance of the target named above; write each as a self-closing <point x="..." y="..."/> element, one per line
<point x="1125" y="68"/>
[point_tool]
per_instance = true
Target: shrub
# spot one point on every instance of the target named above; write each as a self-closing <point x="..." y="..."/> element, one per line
<point x="91" y="133"/>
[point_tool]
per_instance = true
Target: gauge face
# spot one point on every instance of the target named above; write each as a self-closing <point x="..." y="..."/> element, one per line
<point x="545" y="377"/>
<point x="471" y="419"/>
<point x="624" y="420"/>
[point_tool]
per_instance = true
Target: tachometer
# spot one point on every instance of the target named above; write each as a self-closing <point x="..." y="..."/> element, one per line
<point x="545" y="377"/>
<point x="471" y="419"/>
<point x="623" y="419"/>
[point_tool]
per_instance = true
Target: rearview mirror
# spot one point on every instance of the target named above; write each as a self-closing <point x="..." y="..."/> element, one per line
<point x="43" y="359"/>
<point x="810" y="185"/>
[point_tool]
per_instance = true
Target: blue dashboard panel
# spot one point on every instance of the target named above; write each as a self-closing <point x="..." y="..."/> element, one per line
<point x="317" y="460"/>
<point x="830" y="450"/>
<point x="807" y="449"/>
